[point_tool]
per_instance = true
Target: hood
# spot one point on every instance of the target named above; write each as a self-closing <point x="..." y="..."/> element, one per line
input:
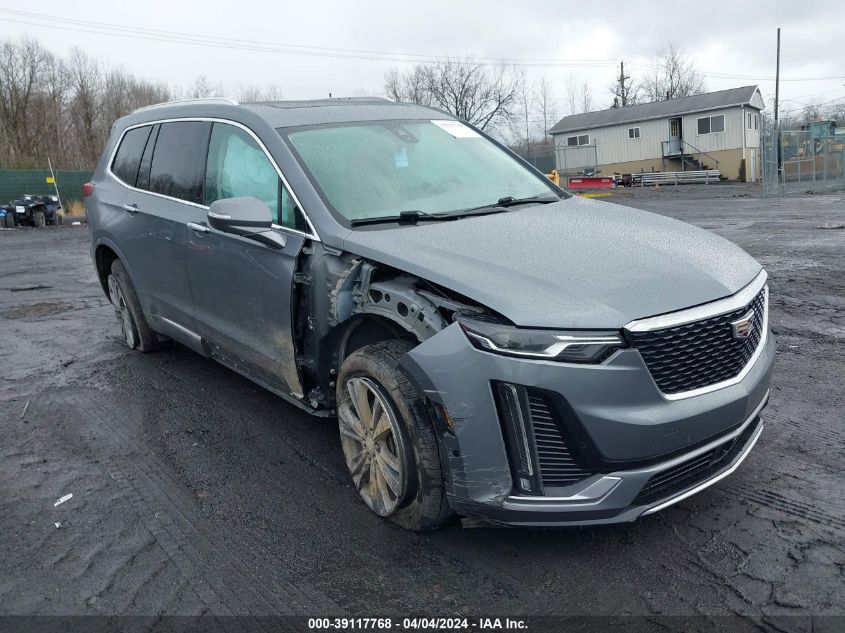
<point x="576" y="263"/>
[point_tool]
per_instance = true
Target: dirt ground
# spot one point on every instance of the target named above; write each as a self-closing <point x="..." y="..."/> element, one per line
<point x="196" y="492"/>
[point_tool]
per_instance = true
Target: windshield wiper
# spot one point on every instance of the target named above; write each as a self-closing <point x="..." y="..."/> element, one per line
<point x="510" y="201"/>
<point x="414" y="216"/>
<point x="404" y="217"/>
<point x="502" y="204"/>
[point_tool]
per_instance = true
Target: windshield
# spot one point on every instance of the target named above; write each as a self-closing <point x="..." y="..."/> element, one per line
<point x="380" y="169"/>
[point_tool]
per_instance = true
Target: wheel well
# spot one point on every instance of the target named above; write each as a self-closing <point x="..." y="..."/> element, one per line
<point x="366" y="330"/>
<point x="104" y="256"/>
<point x="347" y="337"/>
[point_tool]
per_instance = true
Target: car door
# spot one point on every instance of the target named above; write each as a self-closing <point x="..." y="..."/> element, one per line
<point x="242" y="289"/>
<point x="168" y="192"/>
<point x="114" y="219"/>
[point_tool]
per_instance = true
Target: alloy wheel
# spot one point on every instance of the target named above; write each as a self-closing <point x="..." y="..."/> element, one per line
<point x="373" y="445"/>
<point x="121" y="311"/>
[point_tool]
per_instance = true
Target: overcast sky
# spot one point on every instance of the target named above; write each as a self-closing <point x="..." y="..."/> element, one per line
<point x="732" y="43"/>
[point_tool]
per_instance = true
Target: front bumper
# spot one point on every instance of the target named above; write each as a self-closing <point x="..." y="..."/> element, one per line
<point x="617" y="497"/>
<point x="634" y="432"/>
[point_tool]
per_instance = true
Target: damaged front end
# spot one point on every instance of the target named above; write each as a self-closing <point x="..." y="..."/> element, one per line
<point x="347" y="302"/>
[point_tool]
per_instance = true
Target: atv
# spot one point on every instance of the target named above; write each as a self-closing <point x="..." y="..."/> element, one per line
<point x="32" y="210"/>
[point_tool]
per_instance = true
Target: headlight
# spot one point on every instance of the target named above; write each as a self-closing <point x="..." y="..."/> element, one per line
<point x="562" y="345"/>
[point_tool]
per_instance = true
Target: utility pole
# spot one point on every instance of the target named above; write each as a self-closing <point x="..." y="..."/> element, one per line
<point x="623" y="93"/>
<point x="777" y="94"/>
<point x="777" y="80"/>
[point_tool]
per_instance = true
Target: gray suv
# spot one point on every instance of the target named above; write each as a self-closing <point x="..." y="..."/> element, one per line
<point x="490" y="345"/>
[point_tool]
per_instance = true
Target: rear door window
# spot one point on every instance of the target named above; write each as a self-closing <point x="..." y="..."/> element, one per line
<point x="238" y="166"/>
<point x="178" y="162"/>
<point x="143" y="181"/>
<point x="128" y="157"/>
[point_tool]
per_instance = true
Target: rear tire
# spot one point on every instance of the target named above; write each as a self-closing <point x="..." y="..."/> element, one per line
<point x="39" y="220"/>
<point x="136" y="332"/>
<point x="10" y="220"/>
<point x="373" y="373"/>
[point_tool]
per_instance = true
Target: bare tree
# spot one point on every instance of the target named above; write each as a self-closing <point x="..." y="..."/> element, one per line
<point x="586" y="97"/>
<point x="837" y="113"/>
<point x="86" y="86"/>
<point x="525" y="102"/>
<point x="571" y="94"/>
<point x="546" y="106"/>
<point x="408" y="87"/>
<point x="22" y="67"/>
<point x="578" y="98"/>
<point x="255" y="94"/>
<point x="674" y="76"/>
<point x="481" y="95"/>
<point x="812" y="112"/>
<point x="203" y="88"/>
<point x="61" y="109"/>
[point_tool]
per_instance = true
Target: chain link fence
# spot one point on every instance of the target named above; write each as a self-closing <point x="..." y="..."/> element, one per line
<point x="14" y="183"/>
<point x="797" y="161"/>
<point x="580" y="159"/>
<point x="539" y="154"/>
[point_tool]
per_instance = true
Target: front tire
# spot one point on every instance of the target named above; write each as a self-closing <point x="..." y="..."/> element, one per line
<point x="39" y="219"/>
<point x="136" y="332"/>
<point x="388" y="439"/>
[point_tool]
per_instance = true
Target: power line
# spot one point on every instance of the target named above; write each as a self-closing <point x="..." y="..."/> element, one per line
<point x="195" y="39"/>
<point x="103" y="28"/>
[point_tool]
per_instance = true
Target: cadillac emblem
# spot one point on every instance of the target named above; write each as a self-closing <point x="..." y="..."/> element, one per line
<point x="743" y="326"/>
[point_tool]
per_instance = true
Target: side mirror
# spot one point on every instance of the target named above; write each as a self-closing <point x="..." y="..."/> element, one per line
<point x="245" y="216"/>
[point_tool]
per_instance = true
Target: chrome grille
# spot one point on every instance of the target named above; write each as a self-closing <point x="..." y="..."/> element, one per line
<point x="557" y="465"/>
<point x="702" y="353"/>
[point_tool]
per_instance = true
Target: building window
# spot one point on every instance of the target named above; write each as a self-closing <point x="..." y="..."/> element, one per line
<point x="749" y="121"/>
<point x="575" y="141"/>
<point x="756" y="121"/>
<point x="633" y="132"/>
<point x="711" y="124"/>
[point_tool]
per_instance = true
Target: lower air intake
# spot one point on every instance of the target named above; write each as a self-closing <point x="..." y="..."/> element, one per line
<point x="557" y="465"/>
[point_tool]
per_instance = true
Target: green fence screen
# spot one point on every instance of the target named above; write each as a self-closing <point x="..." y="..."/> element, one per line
<point x="14" y="183"/>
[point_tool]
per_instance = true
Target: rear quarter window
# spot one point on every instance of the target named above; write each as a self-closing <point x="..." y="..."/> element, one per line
<point x="178" y="165"/>
<point x="128" y="156"/>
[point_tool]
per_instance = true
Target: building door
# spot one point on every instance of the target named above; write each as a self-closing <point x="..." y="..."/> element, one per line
<point x="675" y="135"/>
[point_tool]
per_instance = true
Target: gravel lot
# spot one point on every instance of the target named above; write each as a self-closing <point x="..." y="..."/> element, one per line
<point x="196" y="492"/>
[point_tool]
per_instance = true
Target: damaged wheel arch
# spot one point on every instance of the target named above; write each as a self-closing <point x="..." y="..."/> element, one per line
<point x="355" y="302"/>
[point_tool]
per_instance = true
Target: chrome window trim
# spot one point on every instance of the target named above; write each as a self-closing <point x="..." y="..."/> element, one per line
<point x="706" y="311"/>
<point x="313" y="232"/>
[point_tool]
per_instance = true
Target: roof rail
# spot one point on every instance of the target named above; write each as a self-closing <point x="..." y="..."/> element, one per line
<point x="315" y="103"/>
<point x="199" y="101"/>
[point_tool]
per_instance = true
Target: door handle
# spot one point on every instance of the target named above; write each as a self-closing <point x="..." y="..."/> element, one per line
<point x="199" y="228"/>
<point x="131" y="208"/>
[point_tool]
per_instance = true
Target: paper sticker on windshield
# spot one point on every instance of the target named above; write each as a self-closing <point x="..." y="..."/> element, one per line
<point x="457" y="129"/>
<point x="400" y="157"/>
